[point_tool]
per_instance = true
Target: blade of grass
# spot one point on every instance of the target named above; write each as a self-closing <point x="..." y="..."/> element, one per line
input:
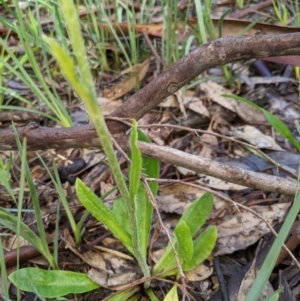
<point x="202" y="35"/>
<point x="58" y="186"/>
<point x="3" y="271"/>
<point x="269" y="263"/>
<point x="20" y="203"/>
<point x="37" y="209"/>
<point x="20" y="72"/>
<point x="53" y="103"/>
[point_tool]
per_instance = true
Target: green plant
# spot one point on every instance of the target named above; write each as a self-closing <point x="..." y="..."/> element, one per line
<point x="56" y="181"/>
<point x="131" y="216"/>
<point x="281" y="11"/>
<point x="28" y="35"/>
<point x="62" y="282"/>
<point x="5" y="176"/>
<point x="3" y="271"/>
<point x="15" y="223"/>
<point x="191" y="251"/>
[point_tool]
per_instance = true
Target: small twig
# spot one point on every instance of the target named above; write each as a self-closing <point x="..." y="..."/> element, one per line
<point x="242" y="13"/>
<point x="153" y="50"/>
<point x="119" y="148"/>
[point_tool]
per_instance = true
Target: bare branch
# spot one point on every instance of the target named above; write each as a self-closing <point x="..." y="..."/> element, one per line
<point x="47" y="138"/>
<point x="216" y="53"/>
<point x="219" y="52"/>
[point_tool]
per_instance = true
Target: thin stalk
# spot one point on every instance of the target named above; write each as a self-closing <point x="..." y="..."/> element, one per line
<point x="3" y="271"/>
<point x="98" y="120"/>
<point x="88" y="95"/>
<point x="20" y="203"/>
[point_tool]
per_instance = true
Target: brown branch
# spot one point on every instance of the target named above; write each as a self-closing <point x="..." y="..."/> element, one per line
<point x="85" y="136"/>
<point x="244" y="12"/>
<point x="216" y="53"/>
<point x="212" y="54"/>
<point x="221" y="171"/>
<point x="50" y="138"/>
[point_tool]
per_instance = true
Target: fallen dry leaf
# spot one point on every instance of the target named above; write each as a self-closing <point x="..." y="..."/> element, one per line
<point x="215" y="91"/>
<point x="238" y="231"/>
<point x="108" y="269"/>
<point x="254" y="136"/>
<point x="136" y="74"/>
<point x="248" y="281"/>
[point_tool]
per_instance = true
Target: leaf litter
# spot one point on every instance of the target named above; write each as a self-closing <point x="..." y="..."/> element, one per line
<point x="238" y="230"/>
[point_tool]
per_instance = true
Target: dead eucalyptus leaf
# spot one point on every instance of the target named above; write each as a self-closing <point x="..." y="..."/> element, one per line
<point x="238" y="231"/>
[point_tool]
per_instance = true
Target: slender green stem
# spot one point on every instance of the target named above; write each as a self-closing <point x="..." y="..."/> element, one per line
<point x="98" y="120"/>
<point x="88" y="95"/>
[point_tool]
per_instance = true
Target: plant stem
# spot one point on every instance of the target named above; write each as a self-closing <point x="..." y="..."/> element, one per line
<point x="88" y="95"/>
<point x="98" y="120"/>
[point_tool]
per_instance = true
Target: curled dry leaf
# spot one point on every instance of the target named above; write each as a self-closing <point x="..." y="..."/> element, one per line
<point x="195" y="104"/>
<point x="255" y="137"/>
<point x="120" y="272"/>
<point x="238" y="231"/>
<point x="215" y="91"/>
<point x="201" y="272"/>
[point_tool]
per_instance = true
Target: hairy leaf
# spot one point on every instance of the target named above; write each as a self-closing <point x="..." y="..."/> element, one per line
<point x="52" y="284"/>
<point x="96" y="207"/>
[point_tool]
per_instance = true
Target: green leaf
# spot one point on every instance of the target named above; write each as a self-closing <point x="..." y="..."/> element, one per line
<point x="203" y="246"/>
<point x="143" y="213"/>
<point x="136" y="297"/>
<point x="121" y="213"/>
<point x="184" y="244"/>
<point x="96" y="207"/>
<point x="123" y="296"/>
<point x="172" y="294"/>
<point x="198" y="212"/>
<point x="151" y="295"/>
<point x="136" y="162"/>
<point x="52" y="284"/>
<point x="194" y="217"/>
<point x="143" y="207"/>
<point x="68" y="68"/>
<point x="151" y="166"/>
<point x="4" y="179"/>
<point x="10" y="221"/>
<point x="273" y="297"/>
